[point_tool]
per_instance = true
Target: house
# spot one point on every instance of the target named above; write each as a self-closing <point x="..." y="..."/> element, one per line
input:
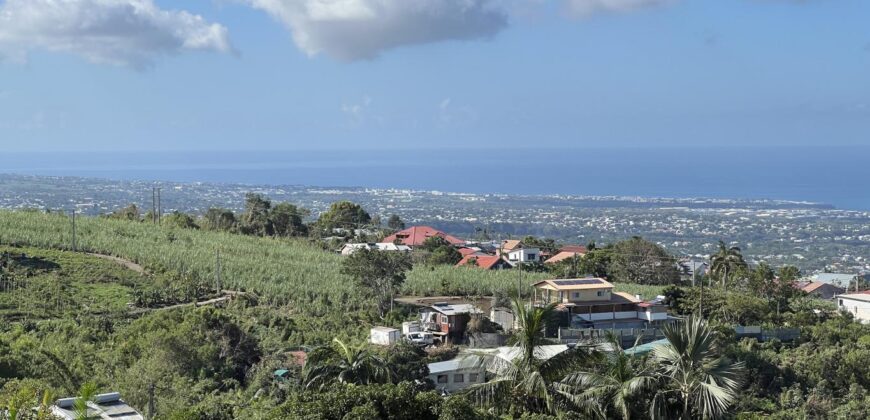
<point x="562" y="256"/>
<point x="415" y="236"/>
<point x="593" y="299"/>
<point x="487" y="262"/>
<point x="503" y="317"/>
<point x="515" y="252"/>
<point x="349" y="249"/>
<point x="857" y="304"/>
<point x="104" y="406"/>
<point x="821" y="289"/>
<point x="447" y="322"/>
<point x="457" y="374"/>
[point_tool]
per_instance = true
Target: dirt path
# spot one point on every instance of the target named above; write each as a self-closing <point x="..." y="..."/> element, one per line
<point x="126" y="263"/>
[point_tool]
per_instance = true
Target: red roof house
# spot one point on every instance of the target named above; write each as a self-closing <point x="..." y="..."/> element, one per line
<point x="487" y="262"/>
<point x="416" y="235"/>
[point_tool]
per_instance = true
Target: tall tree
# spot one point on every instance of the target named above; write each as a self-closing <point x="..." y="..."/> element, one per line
<point x="640" y="261"/>
<point x="380" y="273"/>
<point x="255" y="220"/>
<point x="395" y="222"/>
<point x="695" y="381"/>
<point x="219" y="219"/>
<point x="287" y="220"/>
<point x="344" y="215"/>
<point x="344" y="364"/>
<point x="726" y="261"/>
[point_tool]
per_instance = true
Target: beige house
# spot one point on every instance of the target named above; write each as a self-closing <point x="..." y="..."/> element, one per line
<point x="593" y="299"/>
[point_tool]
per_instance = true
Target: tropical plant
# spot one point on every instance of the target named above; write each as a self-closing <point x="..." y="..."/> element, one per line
<point x="344" y="364"/>
<point x="526" y="383"/>
<point x="80" y="406"/>
<point x="694" y="380"/>
<point x="726" y="261"/>
<point x="614" y="388"/>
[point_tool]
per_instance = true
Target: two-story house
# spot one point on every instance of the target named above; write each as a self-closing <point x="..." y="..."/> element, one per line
<point x="593" y="299"/>
<point x="447" y="322"/>
<point x="516" y="253"/>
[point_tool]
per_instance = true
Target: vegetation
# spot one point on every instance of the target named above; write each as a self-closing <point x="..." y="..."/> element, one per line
<point x="74" y="319"/>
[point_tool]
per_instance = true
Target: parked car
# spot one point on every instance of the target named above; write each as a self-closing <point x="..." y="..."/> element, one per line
<point x="420" y="338"/>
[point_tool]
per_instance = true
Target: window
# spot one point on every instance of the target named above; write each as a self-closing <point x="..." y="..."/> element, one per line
<point x="472" y="377"/>
<point x="601" y="292"/>
<point x="841" y="302"/>
<point x="575" y="295"/>
<point x="458" y="378"/>
<point x="531" y="257"/>
<point x="442" y="379"/>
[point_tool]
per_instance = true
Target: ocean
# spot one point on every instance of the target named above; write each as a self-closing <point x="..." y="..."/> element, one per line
<point x="838" y="176"/>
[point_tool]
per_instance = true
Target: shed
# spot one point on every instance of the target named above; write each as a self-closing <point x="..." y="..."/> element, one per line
<point x="385" y="336"/>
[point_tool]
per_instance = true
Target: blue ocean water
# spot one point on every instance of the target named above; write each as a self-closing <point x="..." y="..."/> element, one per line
<point x="839" y="176"/>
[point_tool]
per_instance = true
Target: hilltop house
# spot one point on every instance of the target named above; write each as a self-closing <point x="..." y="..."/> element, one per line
<point x="592" y="299"/>
<point x="415" y="236"/>
<point x="515" y="252"/>
<point x="447" y="322"/>
<point x="857" y="304"/>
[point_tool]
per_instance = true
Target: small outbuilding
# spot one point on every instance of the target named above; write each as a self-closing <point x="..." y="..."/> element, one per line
<point x="385" y="336"/>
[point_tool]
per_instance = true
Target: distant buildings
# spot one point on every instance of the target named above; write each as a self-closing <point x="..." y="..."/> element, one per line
<point x="820" y="289"/>
<point x="516" y="253"/>
<point x="457" y="374"/>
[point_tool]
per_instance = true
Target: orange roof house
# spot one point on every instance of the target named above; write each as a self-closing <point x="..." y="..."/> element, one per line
<point x="487" y="262"/>
<point x="562" y="256"/>
<point x="416" y="235"/>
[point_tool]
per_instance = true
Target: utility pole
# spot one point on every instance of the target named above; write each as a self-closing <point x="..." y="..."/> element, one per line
<point x="74" y="230"/>
<point x="154" y="205"/>
<point x="159" y="207"/>
<point x="151" y="401"/>
<point x="217" y="271"/>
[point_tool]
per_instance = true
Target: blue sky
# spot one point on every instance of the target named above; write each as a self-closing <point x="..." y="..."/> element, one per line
<point x="380" y="74"/>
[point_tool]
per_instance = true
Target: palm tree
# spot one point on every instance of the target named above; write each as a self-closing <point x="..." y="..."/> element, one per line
<point x="614" y="387"/>
<point x="526" y="382"/>
<point x="726" y="260"/>
<point x="694" y="380"/>
<point x="344" y="364"/>
<point x="86" y="395"/>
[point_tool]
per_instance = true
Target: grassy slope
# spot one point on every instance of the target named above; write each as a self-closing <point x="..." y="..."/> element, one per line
<point x="47" y="283"/>
<point x="280" y="271"/>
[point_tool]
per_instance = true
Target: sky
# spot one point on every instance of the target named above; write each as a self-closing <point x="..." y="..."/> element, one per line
<point x="106" y="75"/>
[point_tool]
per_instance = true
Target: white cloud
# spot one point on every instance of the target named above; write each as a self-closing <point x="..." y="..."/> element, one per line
<point x="362" y="29"/>
<point x="121" y="32"/>
<point x="583" y="8"/>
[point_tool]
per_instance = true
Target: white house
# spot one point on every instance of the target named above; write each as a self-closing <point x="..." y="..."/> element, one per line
<point x="457" y="374"/>
<point x="593" y="299"/>
<point x="857" y="304"/>
<point x="381" y="246"/>
<point x="524" y="255"/>
<point x="104" y="406"/>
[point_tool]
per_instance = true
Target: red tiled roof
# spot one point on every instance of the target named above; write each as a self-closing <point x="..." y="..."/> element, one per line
<point x="483" y="261"/>
<point x="416" y="235"/>
<point x="580" y="249"/>
<point x="467" y="251"/>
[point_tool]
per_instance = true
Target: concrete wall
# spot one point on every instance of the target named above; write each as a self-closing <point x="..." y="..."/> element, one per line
<point x="451" y="376"/>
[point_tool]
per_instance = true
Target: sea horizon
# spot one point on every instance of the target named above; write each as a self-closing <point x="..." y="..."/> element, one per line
<point x="832" y="176"/>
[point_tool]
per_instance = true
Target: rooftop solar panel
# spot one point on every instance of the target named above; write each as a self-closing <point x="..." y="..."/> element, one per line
<point x="576" y="282"/>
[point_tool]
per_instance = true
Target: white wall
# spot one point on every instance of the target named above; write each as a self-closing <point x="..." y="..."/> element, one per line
<point x="452" y="385"/>
<point x="858" y="308"/>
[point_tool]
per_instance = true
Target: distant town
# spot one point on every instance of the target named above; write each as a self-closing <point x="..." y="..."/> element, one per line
<point x="812" y="236"/>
